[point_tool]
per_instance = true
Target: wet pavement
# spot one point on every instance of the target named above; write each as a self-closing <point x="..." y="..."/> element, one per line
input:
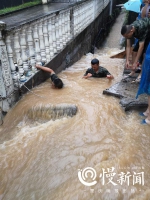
<point x="113" y="39"/>
<point x="30" y="14"/>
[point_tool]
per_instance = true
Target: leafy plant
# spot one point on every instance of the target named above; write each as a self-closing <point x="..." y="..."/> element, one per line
<point x="15" y="8"/>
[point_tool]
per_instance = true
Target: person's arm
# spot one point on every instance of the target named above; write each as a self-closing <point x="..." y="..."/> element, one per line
<point x="144" y="9"/>
<point x="46" y="69"/>
<point x="139" y="53"/>
<point x="108" y="75"/>
<point x="87" y="74"/>
<point x="148" y="15"/>
<point x="128" y="51"/>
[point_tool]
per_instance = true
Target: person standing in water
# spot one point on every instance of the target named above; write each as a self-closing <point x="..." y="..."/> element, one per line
<point x="97" y="71"/>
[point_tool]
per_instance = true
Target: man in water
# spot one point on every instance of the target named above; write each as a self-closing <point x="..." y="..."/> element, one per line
<point x="97" y="71"/>
<point x="56" y="82"/>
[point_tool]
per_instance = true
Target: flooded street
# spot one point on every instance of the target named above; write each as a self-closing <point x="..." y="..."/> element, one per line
<point x="41" y="158"/>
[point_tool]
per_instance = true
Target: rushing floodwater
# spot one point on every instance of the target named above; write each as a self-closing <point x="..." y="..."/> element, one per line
<point x="39" y="160"/>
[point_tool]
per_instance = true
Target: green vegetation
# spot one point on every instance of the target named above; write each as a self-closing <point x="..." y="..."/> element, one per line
<point x="15" y="8"/>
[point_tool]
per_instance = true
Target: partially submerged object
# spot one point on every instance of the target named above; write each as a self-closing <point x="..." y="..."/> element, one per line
<point x="119" y="55"/>
<point x="126" y="91"/>
<point x="51" y="112"/>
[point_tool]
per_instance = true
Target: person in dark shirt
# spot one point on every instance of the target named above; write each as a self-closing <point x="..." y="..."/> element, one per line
<point x="56" y="82"/>
<point x="145" y="6"/>
<point x="139" y="29"/>
<point x="97" y="71"/>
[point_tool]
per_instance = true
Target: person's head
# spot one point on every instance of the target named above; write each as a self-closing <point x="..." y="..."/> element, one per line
<point x="95" y="64"/>
<point x="58" y="83"/>
<point x="127" y="31"/>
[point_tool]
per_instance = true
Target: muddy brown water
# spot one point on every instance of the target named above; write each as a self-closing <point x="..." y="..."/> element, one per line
<point x="43" y="159"/>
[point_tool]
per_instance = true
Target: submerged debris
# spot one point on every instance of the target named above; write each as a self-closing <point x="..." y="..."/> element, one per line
<point x="51" y="112"/>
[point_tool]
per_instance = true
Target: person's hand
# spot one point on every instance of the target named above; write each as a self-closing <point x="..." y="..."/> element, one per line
<point x="109" y="76"/>
<point x="134" y="66"/>
<point x="88" y="75"/>
<point x="37" y="66"/>
<point x="127" y="64"/>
